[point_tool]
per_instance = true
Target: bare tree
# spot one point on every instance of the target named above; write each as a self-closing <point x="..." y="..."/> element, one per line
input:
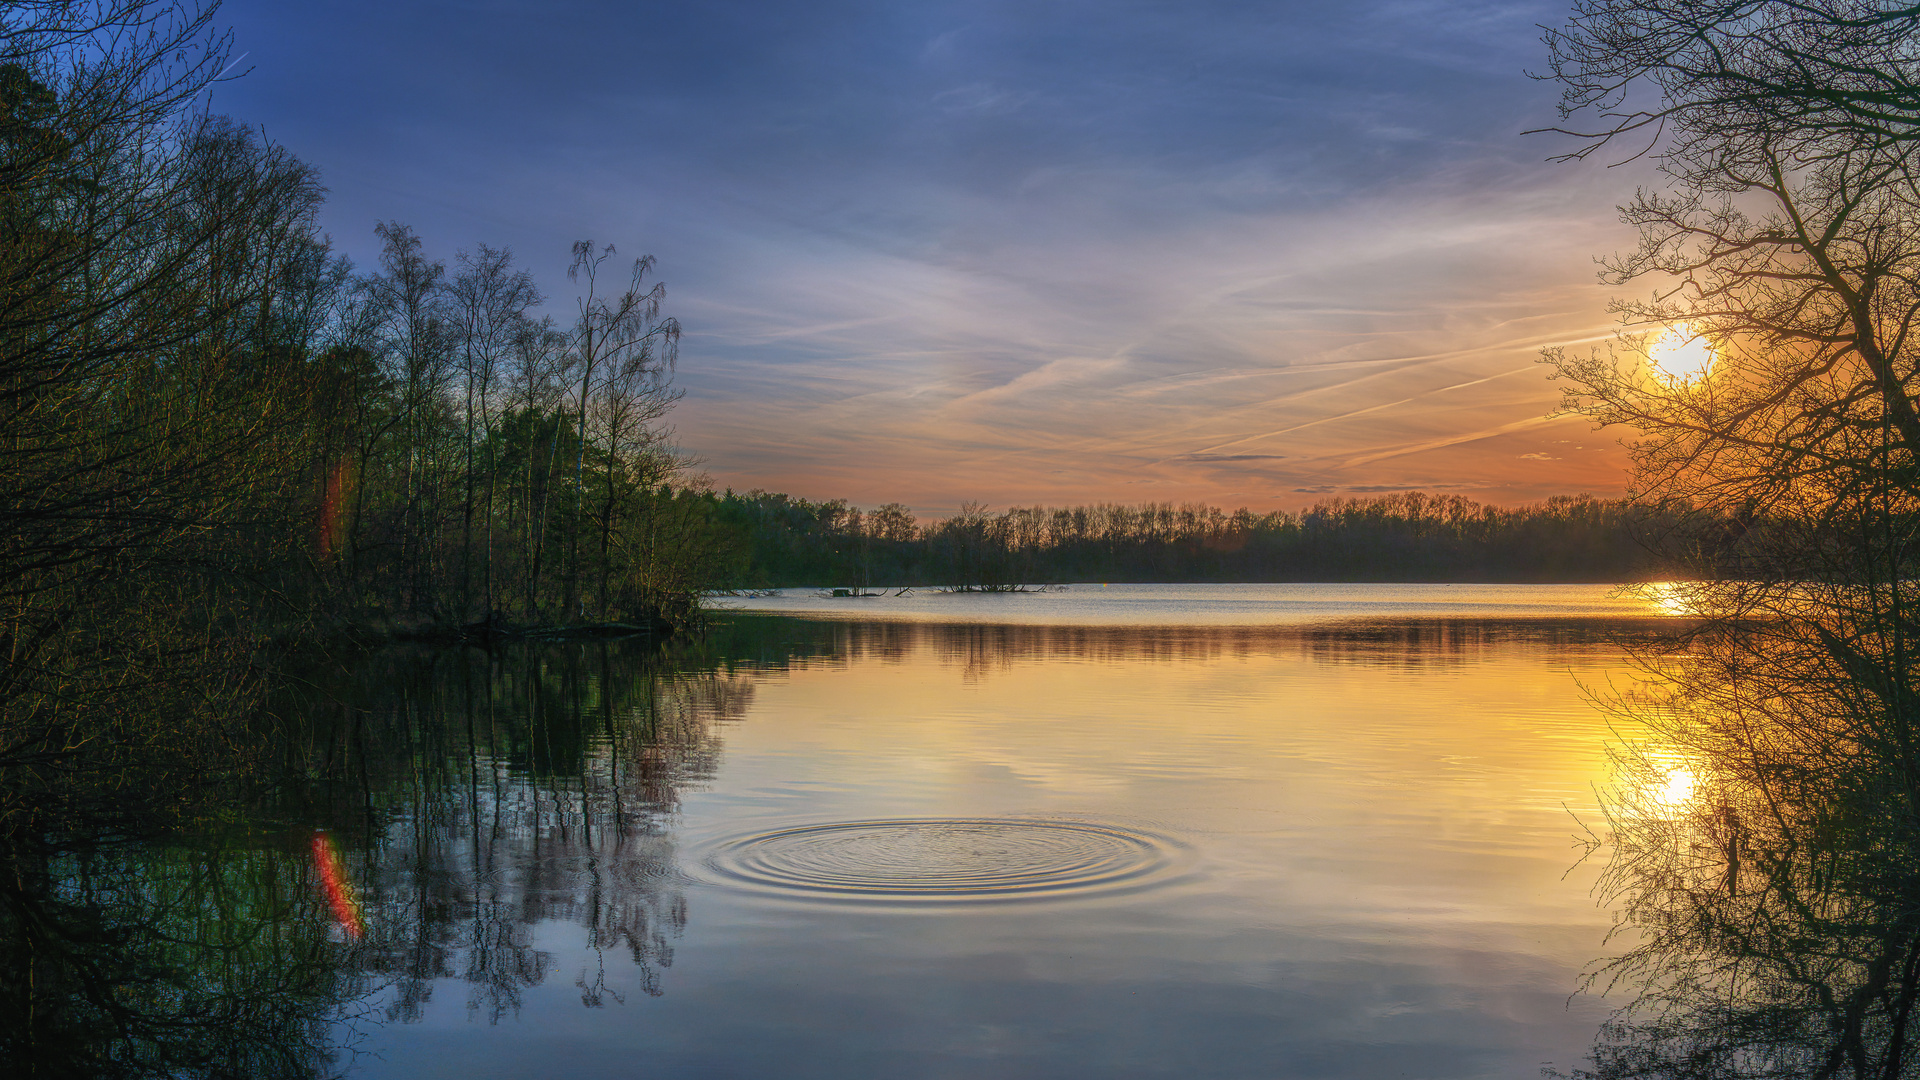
<point x="1793" y="252"/>
<point x="1786" y="241"/>
<point x="540" y="361"/>
<point x="1709" y="75"/>
<point x="621" y="334"/>
<point x="147" y="399"/>
<point x="491" y="301"/>
<point x="417" y="346"/>
<point x="636" y="457"/>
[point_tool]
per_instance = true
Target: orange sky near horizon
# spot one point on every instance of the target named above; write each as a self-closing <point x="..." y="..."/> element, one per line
<point x="1269" y="369"/>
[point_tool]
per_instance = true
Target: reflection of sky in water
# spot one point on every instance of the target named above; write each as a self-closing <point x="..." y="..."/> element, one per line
<point x="1378" y="879"/>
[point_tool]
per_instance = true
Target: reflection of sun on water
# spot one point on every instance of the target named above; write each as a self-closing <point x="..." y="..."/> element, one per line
<point x="1662" y="787"/>
<point x="1677" y="789"/>
<point x="1681" y="356"/>
<point x="1672" y="597"/>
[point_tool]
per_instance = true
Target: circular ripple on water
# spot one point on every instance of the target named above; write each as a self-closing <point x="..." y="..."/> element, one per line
<point x="946" y="859"/>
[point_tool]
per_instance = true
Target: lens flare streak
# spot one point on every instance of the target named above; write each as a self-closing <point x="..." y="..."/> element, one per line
<point x="341" y="896"/>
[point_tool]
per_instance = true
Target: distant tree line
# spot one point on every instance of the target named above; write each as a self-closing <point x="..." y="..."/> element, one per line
<point x="780" y="540"/>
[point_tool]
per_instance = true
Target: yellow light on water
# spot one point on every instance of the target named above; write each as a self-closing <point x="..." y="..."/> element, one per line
<point x="1676" y="789"/>
<point x="1662" y="786"/>
<point x="1681" y="356"/>
<point x="1677" y="598"/>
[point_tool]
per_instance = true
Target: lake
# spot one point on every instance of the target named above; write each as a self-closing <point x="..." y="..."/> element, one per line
<point x="1131" y="831"/>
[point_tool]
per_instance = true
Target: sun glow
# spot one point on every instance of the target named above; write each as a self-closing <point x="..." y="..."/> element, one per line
<point x="1681" y="356"/>
<point x="1676" y="598"/>
<point x="1659" y="787"/>
<point x="1676" y="789"/>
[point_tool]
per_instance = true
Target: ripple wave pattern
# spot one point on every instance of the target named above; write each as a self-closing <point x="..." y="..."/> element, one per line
<point x="945" y="859"/>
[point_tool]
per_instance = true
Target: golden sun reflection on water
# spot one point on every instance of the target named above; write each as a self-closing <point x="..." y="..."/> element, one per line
<point x="1678" y="599"/>
<point x="1421" y="778"/>
<point x="1676" y="789"/>
<point x="1681" y="356"/>
<point x="1659" y="784"/>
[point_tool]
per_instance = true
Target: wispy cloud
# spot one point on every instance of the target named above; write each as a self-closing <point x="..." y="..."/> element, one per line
<point x="934" y="251"/>
<point x="1448" y="440"/>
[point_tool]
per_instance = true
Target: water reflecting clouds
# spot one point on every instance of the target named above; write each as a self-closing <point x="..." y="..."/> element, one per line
<point x="912" y="848"/>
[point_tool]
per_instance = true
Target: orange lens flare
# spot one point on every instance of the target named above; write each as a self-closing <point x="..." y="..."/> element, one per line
<point x="333" y="878"/>
<point x="331" y="532"/>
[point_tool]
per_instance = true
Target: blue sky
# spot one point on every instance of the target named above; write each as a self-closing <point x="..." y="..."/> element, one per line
<point x="1242" y="253"/>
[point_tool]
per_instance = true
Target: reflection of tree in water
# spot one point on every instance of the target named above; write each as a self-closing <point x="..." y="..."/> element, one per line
<point x="471" y="798"/>
<point x="1765" y="857"/>
<point x="482" y="795"/>
<point x="133" y="959"/>
<point x="982" y="649"/>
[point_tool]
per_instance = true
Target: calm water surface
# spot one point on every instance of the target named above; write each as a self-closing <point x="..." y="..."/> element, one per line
<point x="1167" y="841"/>
<point x="1162" y="842"/>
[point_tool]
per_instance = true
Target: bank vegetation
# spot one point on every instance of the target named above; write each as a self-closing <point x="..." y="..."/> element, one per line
<point x="217" y="432"/>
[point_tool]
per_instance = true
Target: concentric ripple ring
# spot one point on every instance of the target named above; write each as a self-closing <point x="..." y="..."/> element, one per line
<point x="945" y="859"/>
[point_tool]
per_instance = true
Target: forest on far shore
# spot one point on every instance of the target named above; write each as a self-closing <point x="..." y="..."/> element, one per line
<point x="781" y="541"/>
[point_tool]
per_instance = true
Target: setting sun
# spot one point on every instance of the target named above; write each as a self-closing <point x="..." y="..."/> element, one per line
<point x="1681" y="356"/>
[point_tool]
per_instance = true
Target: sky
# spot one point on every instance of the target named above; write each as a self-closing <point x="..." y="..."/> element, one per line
<point x="1248" y="254"/>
